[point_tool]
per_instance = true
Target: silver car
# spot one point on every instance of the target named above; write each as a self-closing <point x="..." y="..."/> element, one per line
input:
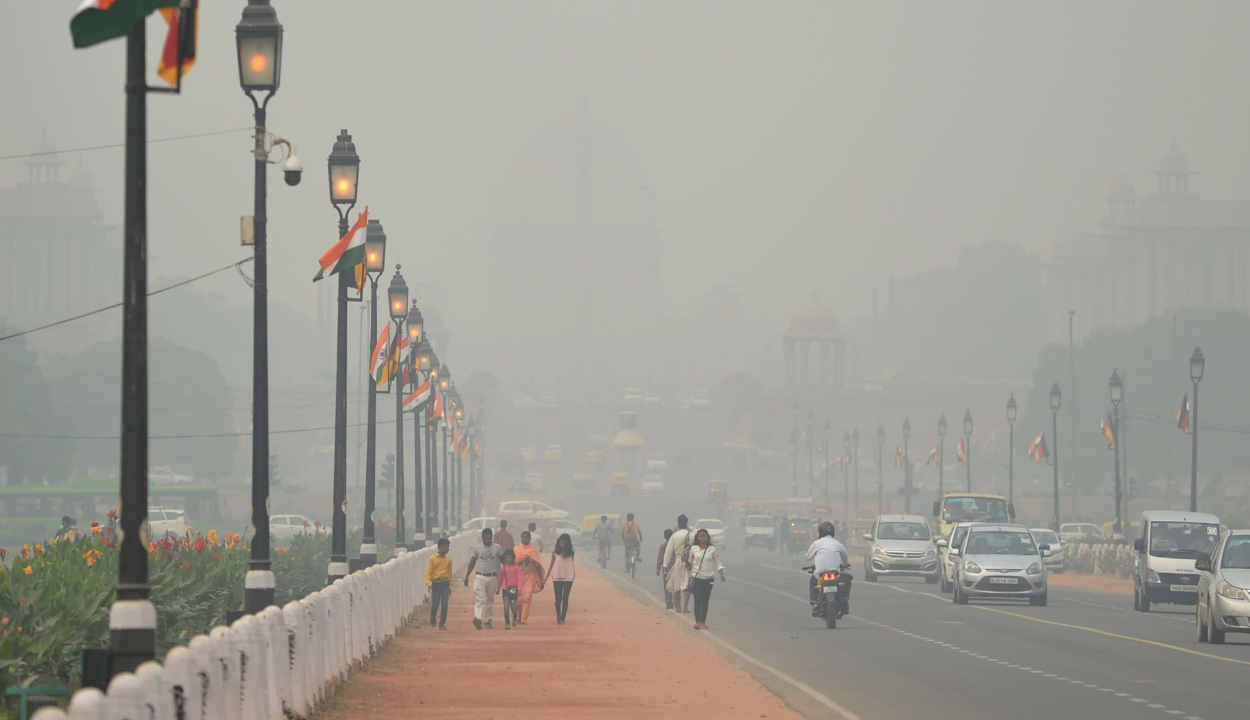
<point x="1224" y="588"/>
<point x="948" y="554"/>
<point x="1056" y="560"/>
<point x="901" y="545"/>
<point x="1001" y="560"/>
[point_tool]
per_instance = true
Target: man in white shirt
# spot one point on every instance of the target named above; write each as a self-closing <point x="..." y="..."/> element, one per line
<point x="828" y="555"/>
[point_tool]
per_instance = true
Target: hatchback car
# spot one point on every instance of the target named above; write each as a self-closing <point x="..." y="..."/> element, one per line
<point x="531" y="509"/>
<point x="948" y="554"/>
<point x="286" y="527"/>
<point x="1056" y="560"/>
<point x="900" y="545"/>
<point x="1002" y="561"/>
<point x="166" y="522"/>
<point x="1224" y="588"/>
<point x="715" y="530"/>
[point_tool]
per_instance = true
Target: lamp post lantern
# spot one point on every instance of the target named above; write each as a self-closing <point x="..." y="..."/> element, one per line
<point x="941" y="455"/>
<point x="375" y="263"/>
<point x="258" y="38"/>
<point x="1197" y="366"/>
<point x="1011" y="448"/>
<point x="880" y="468"/>
<point x="1056" y="398"/>
<point x="344" y="172"/>
<point x="1117" y="395"/>
<point x="968" y="445"/>
<point x="906" y="464"/>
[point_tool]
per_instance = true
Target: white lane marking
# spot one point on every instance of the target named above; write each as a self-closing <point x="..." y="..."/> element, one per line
<point x="1176" y="712"/>
<point x="802" y="687"/>
<point x="1156" y="706"/>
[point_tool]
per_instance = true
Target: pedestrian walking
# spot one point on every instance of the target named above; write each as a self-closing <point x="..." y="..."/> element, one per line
<point x="485" y="559"/>
<point x="659" y="570"/>
<point x="677" y="564"/>
<point x="562" y="572"/>
<point x="510" y="588"/>
<point x="533" y="579"/>
<point x="705" y="565"/>
<point x="438" y="582"/>
<point x="503" y="538"/>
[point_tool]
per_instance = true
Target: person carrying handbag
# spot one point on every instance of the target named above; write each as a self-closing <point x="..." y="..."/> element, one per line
<point x="677" y="564"/>
<point x="706" y="565"/>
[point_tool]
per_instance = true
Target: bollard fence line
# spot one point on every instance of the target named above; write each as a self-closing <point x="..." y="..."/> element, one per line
<point x="279" y="663"/>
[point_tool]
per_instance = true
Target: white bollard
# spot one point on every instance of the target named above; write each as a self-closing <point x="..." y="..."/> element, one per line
<point x="49" y="713"/>
<point x="278" y="661"/>
<point x="156" y="691"/>
<point x="125" y="698"/>
<point x="88" y="704"/>
<point x="226" y="650"/>
<point x="251" y="667"/>
<point x="212" y="679"/>
<point x="182" y="672"/>
<point x="296" y="655"/>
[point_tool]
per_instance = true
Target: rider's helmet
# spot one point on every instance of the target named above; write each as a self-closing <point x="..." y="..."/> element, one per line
<point x="603" y="518"/>
<point x="630" y="517"/>
<point x="826" y="528"/>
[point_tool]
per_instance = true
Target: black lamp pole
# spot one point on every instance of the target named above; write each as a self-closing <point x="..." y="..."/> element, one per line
<point x="906" y="465"/>
<point x="826" y="463"/>
<point x="344" y="167"/>
<point x="1056" y="398"/>
<point x="397" y="298"/>
<point x="794" y="450"/>
<point x="1011" y="449"/>
<point x="1117" y="394"/>
<point x="375" y="262"/>
<point x="880" y="468"/>
<point x="444" y="380"/>
<point x="846" y="477"/>
<point x="1197" y="366"/>
<point x="421" y="368"/>
<point x="941" y="456"/>
<point x="968" y="445"/>
<point x="431" y="428"/>
<point x="855" y="448"/>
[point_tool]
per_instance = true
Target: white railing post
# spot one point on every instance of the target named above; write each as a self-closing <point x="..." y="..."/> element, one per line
<point x="295" y="654"/>
<point x="204" y="648"/>
<point x="277" y="661"/>
<point x="125" y="698"/>
<point x="87" y="704"/>
<point x="157" y="695"/>
<point x="227" y="655"/>
<point x="182" y="672"/>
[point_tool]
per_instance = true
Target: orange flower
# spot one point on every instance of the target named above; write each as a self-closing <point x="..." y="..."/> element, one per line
<point x="38" y="549"/>
<point x="213" y="539"/>
<point x="29" y="570"/>
<point x="95" y="529"/>
<point x="4" y="621"/>
<point x="92" y="556"/>
<point x="186" y="566"/>
<point x="282" y="551"/>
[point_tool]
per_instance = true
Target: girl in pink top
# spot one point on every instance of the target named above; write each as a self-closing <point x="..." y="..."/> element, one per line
<point x="510" y="586"/>
<point x="561" y="572"/>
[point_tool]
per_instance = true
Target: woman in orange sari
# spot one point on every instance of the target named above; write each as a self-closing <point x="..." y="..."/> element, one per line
<point x="532" y="576"/>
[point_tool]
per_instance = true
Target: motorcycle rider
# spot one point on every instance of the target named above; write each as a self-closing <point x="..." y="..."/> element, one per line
<point x="827" y="554"/>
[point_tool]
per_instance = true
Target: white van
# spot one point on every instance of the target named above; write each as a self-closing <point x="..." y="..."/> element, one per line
<point x="1164" y="569"/>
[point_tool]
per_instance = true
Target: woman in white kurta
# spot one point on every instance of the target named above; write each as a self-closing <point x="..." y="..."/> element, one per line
<point x="676" y="565"/>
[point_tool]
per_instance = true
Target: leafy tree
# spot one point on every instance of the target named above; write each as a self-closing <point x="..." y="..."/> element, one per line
<point x="1153" y="388"/>
<point x="28" y="408"/>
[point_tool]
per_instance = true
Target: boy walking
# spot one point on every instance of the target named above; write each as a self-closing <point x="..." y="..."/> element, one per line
<point x="438" y="580"/>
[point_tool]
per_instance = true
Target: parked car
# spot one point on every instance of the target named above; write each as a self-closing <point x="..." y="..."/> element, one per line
<point x="553" y="454"/>
<point x="286" y="527"/>
<point x="478" y="524"/>
<point x="1055" y="563"/>
<point x="657" y="462"/>
<point x="164" y="475"/>
<point x="1079" y="531"/>
<point x="715" y="529"/>
<point x="163" y="522"/>
<point x="1224" y="588"/>
<point x="531" y="509"/>
<point x="653" y="485"/>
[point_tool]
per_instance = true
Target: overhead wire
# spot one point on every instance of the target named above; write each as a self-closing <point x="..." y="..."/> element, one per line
<point x="111" y="146"/>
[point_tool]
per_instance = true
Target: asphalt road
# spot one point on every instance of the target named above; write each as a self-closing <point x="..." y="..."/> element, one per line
<point x="907" y="651"/>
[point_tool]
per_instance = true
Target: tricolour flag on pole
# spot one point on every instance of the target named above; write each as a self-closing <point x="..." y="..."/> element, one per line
<point x="395" y="359"/>
<point x="1182" y="415"/>
<point x="381" y="350"/>
<point x="418" y="397"/>
<point x="1037" y="449"/>
<point x="178" y="55"/>
<point x="100" y="20"/>
<point x="1108" y="431"/>
<point x="348" y="252"/>
<point x="436" y="410"/>
<point x="963" y="452"/>
<point x="898" y="456"/>
<point x="933" y="456"/>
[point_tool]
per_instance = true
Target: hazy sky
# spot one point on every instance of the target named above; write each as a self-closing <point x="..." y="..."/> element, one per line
<point x="792" y="146"/>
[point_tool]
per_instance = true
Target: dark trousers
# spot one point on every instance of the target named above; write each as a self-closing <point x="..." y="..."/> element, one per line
<point x="702" y="591"/>
<point x="440" y="596"/>
<point x="511" y="610"/>
<point x="563" y="588"/>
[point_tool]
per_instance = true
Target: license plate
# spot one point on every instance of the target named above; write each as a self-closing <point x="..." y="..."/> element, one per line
<point x="829" y="589"/>
<point x="1002" y="581"/>
<point x="1185" y="588"/>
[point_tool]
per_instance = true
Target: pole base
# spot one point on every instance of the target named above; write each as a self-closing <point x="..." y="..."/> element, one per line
<point x="368" y="555"/>
<point x="401" y="551"/>
<point x="258" y="588"/>
<point x="132" y="635"/>
<point x="336" y="571"/>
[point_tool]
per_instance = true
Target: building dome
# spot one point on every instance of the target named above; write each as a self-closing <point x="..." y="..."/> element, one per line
<point x="814" y="319"/>
<point x="1174" y="162"/>
<point x="1122" y="189"/>
<point x="44" y="148"/>
<point x="628" y="440"/>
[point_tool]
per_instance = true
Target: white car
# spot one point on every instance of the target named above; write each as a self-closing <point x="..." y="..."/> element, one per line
<point x="701" y="399"/>
<point x="652" y="399"/>
<point x="164" y="475"/>
<point x="633" y="396"/>
<point x="946" y="558"/>
<point x="563" y="526"/>
<point x="1079" y="531"/>
<point x="532" y="482"/>
<point x="531" y="509"/>
<point x="286" y="527"/>
<point x="478" y="524"/>
<point x="529" y="455"/>
<point x="163" y="522"/>
<point x="1000" y="561"/>
<point x="715" y="528"/>
<point x="1055" y="561"/>
<point x="553" y="454"/>
<point x="657" y="463"/>
<point x="653" y="485"/>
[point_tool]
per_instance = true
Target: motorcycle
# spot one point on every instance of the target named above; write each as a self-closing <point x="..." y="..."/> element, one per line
<point x="832" y="590"/>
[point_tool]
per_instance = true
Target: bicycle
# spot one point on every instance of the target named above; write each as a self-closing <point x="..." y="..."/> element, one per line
<point x="631" y="559"/>
<point x="603" y="555"/>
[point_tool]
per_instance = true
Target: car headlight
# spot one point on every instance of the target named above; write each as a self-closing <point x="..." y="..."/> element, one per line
<point x="931" y="552"/>
<point x="1232" y="592"/>
<point x="971" y="567"/>
<point x="878" y="550"/>
<point x="1152" y="576"/>
<point x="1035" y="569"/>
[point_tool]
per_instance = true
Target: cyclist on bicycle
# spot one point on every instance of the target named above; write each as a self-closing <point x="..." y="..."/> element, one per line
<point x="603" y="533"/>
<point x="631" y="536"/>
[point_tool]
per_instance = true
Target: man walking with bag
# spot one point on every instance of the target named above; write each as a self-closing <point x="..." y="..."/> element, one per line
<point x="677" y="564"/>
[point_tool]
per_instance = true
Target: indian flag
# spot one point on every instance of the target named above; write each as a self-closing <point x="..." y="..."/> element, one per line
<point x="378" y="361"/>
<point x="419" y="397"/>
<point x="100" y="20"/>
<point x="348" y="252"/>
<point x="396" y="356"/>
<point x="436" y="412"/>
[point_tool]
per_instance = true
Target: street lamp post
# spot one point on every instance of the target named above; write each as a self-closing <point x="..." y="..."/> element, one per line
<point x="941" y="455"/>
<point x="855" y="448"/>
<point x="1197" y="366"/>
<point x="1117" y="394"/>
<point x="880" y="469"/>
<point x="794" y="450"/>
<point x="458" y="508"/>
<point x="1011" y="448"/>
<point x="421" y="368"/>
<point x="968" y="445"/>
<point x="846" y="477"/>
<point x="1056" y="397"/>
<point x="444" y="382"/>
<point x="258" y="37"/>
<point x="811" y="463"/>
<point x="375" y="263"/>
<point x="416" y="330"/>
<point x="431" y="432"/>
<point x="826" y="446"/>
<point x="906" y="464"/>
<point x="397" y="299"/>
<point x="344" y="171"/>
